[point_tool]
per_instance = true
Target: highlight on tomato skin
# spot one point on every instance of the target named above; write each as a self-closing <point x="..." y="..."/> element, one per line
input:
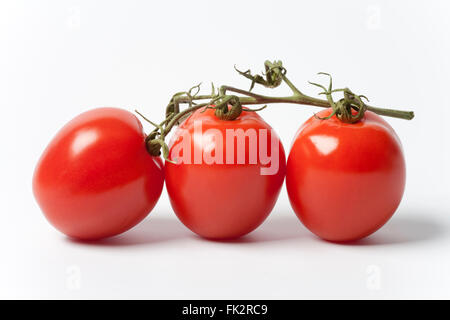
<point x="219" y="188"/>
<point x="345" y="181"/>
<point x="96" y="179"/>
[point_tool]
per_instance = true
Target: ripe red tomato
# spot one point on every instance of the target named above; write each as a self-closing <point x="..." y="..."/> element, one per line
<point x="96" y="179"/>
<point x="224" y="188"/>
<point x="345" y="180"/>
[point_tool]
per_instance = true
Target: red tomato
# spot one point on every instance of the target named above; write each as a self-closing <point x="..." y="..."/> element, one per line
<point x="96" y="179"/>
<point x="345" y="180"/>
<point x="232" y="195"/>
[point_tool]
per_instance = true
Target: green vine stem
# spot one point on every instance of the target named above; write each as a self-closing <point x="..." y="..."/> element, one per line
<point x="349" y="109"/>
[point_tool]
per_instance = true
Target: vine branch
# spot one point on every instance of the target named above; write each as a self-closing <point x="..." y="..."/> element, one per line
<point x="350" y="108"/>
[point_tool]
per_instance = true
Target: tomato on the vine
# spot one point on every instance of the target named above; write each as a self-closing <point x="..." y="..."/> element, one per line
<point x="345" y="180"/>
<point x="227" y="175"/>
<point x="96" y="179"/>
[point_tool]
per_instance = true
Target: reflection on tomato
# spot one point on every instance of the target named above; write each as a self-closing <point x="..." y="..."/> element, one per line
<point x="345" y="180"/>
<point x="96" y="179"/>
<point x="219" y="188"/>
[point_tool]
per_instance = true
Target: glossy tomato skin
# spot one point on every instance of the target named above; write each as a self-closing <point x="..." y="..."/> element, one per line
<point x="222" y="200"/>
<point x="345" y="181"/>
<point x="95" y="179"/>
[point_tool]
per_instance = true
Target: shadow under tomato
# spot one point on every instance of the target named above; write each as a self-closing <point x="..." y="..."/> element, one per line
<point x="156" y="229"/>
<point x="275" y="228"/>
<point x="152" y="230"/>
<point x="403" y="230"/>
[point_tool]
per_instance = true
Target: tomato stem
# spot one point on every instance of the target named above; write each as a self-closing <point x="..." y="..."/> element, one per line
<point x="349" y="109"/>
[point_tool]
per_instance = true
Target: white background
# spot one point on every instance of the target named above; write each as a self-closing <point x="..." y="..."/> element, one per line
<point x="59" y="58"/>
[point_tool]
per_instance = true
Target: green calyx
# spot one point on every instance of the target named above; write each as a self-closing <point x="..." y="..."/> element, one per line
<point x="343" y="109"/>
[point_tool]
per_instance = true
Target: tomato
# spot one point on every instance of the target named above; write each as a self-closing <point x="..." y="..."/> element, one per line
<point x="95" y="179"/>
<point x="223" y="187"/>
<point x="345" y="181"/>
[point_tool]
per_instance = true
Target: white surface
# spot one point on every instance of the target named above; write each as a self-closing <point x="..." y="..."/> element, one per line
<point x="59" y="58"/>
